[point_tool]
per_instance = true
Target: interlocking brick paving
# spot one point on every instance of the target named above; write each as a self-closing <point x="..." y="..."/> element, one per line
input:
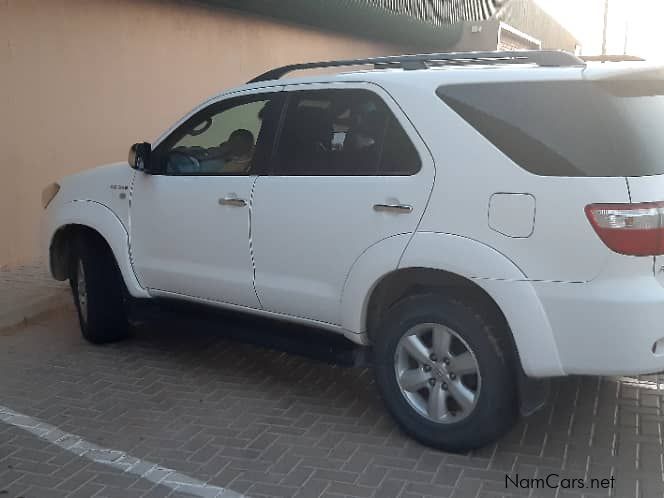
<point x="266" y="423"/>
<point x="27" y="291"/>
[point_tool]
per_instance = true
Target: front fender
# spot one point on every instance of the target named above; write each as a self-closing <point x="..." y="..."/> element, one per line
<point x="97" y="216"/>
<point x="504" y="282"/>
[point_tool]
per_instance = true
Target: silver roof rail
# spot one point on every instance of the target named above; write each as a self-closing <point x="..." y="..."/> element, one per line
<point x="610" y="58"/>
<point x="545" y="58"/>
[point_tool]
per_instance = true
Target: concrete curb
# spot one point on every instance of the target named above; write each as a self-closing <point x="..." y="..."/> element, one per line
<point x="33" y="307"/>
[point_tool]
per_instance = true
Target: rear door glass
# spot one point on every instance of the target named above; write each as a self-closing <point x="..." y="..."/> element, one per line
<point x="343" y="132"/>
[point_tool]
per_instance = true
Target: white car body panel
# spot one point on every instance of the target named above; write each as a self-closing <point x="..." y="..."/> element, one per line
<point x="203" y="251"/>
<point x="504" y="282"/>
<point x="646" y="188"/>
<point x="512" y="214"/>
<point x="109" y="185"/>
<point x="185" y="242"/>
<point x="100" y="218"/>
<point x="365" y="273"/>
<point x="460" y="202"/>
<point x="607" y="326"/>
<point x="308" y="230"/>
<point x="98" y="199"/>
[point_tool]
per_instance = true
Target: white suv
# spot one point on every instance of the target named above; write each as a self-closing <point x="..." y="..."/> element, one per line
<point x="480" y="220"/>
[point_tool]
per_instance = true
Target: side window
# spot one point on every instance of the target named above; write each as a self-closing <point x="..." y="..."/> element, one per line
<point x="225" y="139"/>
<point x="342" y="133"/>
<point x="399" y="158"/>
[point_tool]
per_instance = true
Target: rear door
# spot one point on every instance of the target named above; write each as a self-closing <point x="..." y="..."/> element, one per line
<point x="349" y="171"/>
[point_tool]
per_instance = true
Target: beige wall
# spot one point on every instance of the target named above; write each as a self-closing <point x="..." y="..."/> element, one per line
<point x="82" y="80"/>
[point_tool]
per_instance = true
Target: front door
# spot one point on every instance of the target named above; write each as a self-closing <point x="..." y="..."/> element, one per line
<point x="349" y="171"/>
<point x="190" y="221"/>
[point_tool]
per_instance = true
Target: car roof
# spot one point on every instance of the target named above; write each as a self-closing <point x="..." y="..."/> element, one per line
<point x="438" y="76"/>
<point x="465" y="74"/>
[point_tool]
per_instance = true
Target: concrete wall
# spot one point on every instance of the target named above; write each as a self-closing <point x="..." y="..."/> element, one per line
<point x="80" y="80"/>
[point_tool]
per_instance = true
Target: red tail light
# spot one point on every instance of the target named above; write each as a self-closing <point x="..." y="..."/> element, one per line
<point x="633" y="229"/>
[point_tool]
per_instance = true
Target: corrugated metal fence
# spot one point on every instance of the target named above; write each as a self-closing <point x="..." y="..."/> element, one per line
<point x="441" y="12"/>
<point x="409" y="23"/>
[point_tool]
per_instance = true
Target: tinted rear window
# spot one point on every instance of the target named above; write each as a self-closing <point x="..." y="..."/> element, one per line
<point x="570" y="128"/>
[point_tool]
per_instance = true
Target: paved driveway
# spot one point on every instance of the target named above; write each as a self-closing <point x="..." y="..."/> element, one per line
<point x="188" y="412"/>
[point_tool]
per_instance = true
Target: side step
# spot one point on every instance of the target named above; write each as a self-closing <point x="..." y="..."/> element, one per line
<point x="278" y="335"/>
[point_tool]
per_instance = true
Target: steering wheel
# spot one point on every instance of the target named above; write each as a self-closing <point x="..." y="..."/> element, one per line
<point x="184" y="163"/>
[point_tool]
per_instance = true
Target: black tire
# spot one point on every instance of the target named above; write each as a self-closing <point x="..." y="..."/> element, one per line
<point x="496" y="407"/>
<point x="101" y="311"/>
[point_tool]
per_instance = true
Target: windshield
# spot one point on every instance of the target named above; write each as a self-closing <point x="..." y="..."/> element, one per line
<point x="570" y="128"/>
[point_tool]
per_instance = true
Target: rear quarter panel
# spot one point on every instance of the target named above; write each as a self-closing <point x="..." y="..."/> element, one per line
<point x="469" y="170"/>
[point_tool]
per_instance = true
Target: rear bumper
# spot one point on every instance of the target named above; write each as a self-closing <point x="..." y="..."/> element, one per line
<point x="609" y="326"/>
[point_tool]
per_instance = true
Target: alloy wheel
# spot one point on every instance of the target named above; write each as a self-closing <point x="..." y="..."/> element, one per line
<point x="437" y="373"/>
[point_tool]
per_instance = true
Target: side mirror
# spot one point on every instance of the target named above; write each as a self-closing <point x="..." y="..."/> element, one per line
<point x="139" y="156"/>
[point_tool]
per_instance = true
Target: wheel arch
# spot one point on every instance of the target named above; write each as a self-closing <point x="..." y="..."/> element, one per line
<point x="404" y="282"/>
<point x="433" y="261"/>
<point x="400" y="283"/>
<point x="63" y="245"/>
<point x="77" y="218"/>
